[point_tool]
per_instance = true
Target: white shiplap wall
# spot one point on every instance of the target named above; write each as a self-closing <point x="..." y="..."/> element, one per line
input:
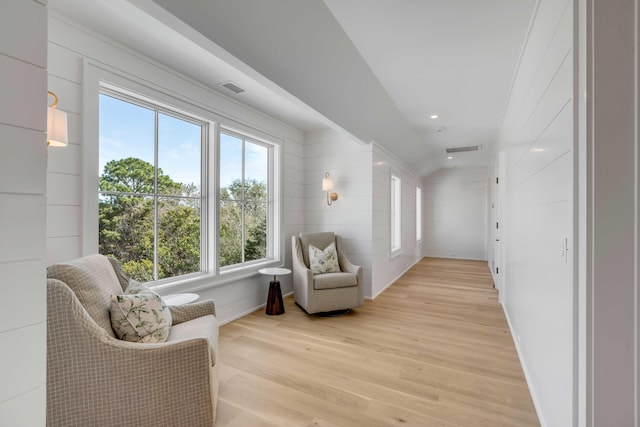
<point x="537" y="134"/>
<point x="455" y="213"/>
<point x="349" y="164"/>
<point x="386" y="269"/>
<point x="23" y="85"/>
<point x="69" y="46"/>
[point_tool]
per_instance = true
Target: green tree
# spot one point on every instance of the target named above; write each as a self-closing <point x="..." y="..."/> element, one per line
<point x="133" y="175"/>
<point x="126" y="228"/>
<point x="231" y="218"/>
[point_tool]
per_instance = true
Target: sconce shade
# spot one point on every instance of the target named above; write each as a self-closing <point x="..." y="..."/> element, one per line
<point x="57" y="128"/>
<point x="57" y="134"/>
<point x="327" y="184"/>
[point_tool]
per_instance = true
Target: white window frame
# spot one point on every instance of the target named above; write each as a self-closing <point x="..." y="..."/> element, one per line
<point x="182" y="98"/>
<point x="418" y="214"/>
<point x="159" y="108"/>
<point x="270" y="188"/>
<point x="396" y="215"/>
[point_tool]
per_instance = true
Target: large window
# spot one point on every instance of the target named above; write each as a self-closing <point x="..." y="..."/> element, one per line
<point x="150" y="199"/>
<point x="396" y="214"/>
<point x="158" y="211"/>
<point x="418" y="214"/>
<point x="245" y="209"/>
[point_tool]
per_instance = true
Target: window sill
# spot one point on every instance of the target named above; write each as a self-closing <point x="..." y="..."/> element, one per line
<point x="195" y="283"/>
<point x="395" y="253"/>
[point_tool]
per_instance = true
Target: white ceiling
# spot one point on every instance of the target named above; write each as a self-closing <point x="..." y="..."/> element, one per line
<point x="160" y="41"/>
<point x="455" y="58"/>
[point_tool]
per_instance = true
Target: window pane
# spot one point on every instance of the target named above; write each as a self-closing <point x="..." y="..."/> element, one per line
<point x="130" y="228"/>
<point x="418" y="213"/>
<point x="230" y="167"/>
<point x="178" y="237"/>
<point x="179" y="156"/>
<point x="256" y="171"/>
<point x="396" y="214"/>
<point x="230" y="233"/>
<point x="126" y="141"/>
<point x="255" y="222"/>
<point x="126" y="233"/>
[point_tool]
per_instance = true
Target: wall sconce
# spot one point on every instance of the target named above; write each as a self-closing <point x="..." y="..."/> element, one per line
<point x="57" y="134"/>
<point x="327" y="185"/>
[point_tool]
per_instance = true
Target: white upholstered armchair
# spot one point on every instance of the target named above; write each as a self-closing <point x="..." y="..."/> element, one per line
<point x="96" y="379"/>
<point x="327" y="292"/>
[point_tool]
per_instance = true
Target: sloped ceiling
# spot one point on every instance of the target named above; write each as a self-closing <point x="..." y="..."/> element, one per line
<point x="374" y="69"/>
<point x="453" y="58"/>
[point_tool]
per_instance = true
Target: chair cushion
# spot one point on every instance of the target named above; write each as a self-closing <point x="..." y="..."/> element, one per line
<point x="324" y="261"/>
<point x="319" y="240"/>
<point x="200" y="327"/>
<point x="334" y="280"/>
<point x="93" y="281"/>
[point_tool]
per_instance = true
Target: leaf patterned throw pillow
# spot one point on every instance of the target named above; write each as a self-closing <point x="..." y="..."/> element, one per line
<point x="140" y="315"/>
<point x="325" y="261"/>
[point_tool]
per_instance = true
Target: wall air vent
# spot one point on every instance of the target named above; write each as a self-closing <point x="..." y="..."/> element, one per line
<point x="232" y="87"/>
<point x="462" y="149"/>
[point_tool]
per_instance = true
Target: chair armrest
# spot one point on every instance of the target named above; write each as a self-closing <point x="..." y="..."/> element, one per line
<point x="345" y="264"/>
<point x="348" y="267"/>
<point x="186" y="312"/>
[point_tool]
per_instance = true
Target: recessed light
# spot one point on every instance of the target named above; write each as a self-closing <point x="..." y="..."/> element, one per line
<point x="450" y="157"/>
<point x="434" y="116"/>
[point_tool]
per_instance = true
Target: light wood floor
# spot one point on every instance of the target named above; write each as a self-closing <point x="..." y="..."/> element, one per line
<point x="433" y="350"/>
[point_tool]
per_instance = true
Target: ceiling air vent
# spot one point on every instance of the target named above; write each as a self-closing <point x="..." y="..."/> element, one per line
<point x="232" y="87"/>
<point x="462" y="149"/>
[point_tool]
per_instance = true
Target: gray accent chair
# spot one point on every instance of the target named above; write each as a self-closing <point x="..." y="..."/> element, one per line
<point x="95" y="379"/>
<point x="324" y="292"/>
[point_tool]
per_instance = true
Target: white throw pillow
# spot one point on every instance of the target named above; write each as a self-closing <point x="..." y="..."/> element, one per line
<point x="324" y="261"/>
<point x="140" y="315"/>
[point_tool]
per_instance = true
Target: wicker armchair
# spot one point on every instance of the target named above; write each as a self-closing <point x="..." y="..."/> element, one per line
<point x="324" y="292"/>
<point x="95" y="379"/>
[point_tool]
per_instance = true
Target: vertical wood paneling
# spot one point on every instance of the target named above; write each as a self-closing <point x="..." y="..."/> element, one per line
<point x="25" y="409"/>
<point x="23" y="351"/>
<point x="27" y="43"/>
<point x="27" y="148"/>
<point x="23" y="29"/>
<point x="349" y="164"/>
<point x="537" y="135"/>
<point x="24" y="92"/>
<point x="22" y="227"/>
<point x="16" y="296"/>
<point x="387" y="269"/>
<point x="455" y="211"/>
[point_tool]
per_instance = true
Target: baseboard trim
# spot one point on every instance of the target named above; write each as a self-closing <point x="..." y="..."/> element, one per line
<point x="455" y="257"/>
<point x="527" y="375"/>
<point x="393" y="281"/>
<point x="247" y="312"/>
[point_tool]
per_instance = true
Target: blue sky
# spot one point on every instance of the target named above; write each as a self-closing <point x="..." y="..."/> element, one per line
<point x="127" y="130"/>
